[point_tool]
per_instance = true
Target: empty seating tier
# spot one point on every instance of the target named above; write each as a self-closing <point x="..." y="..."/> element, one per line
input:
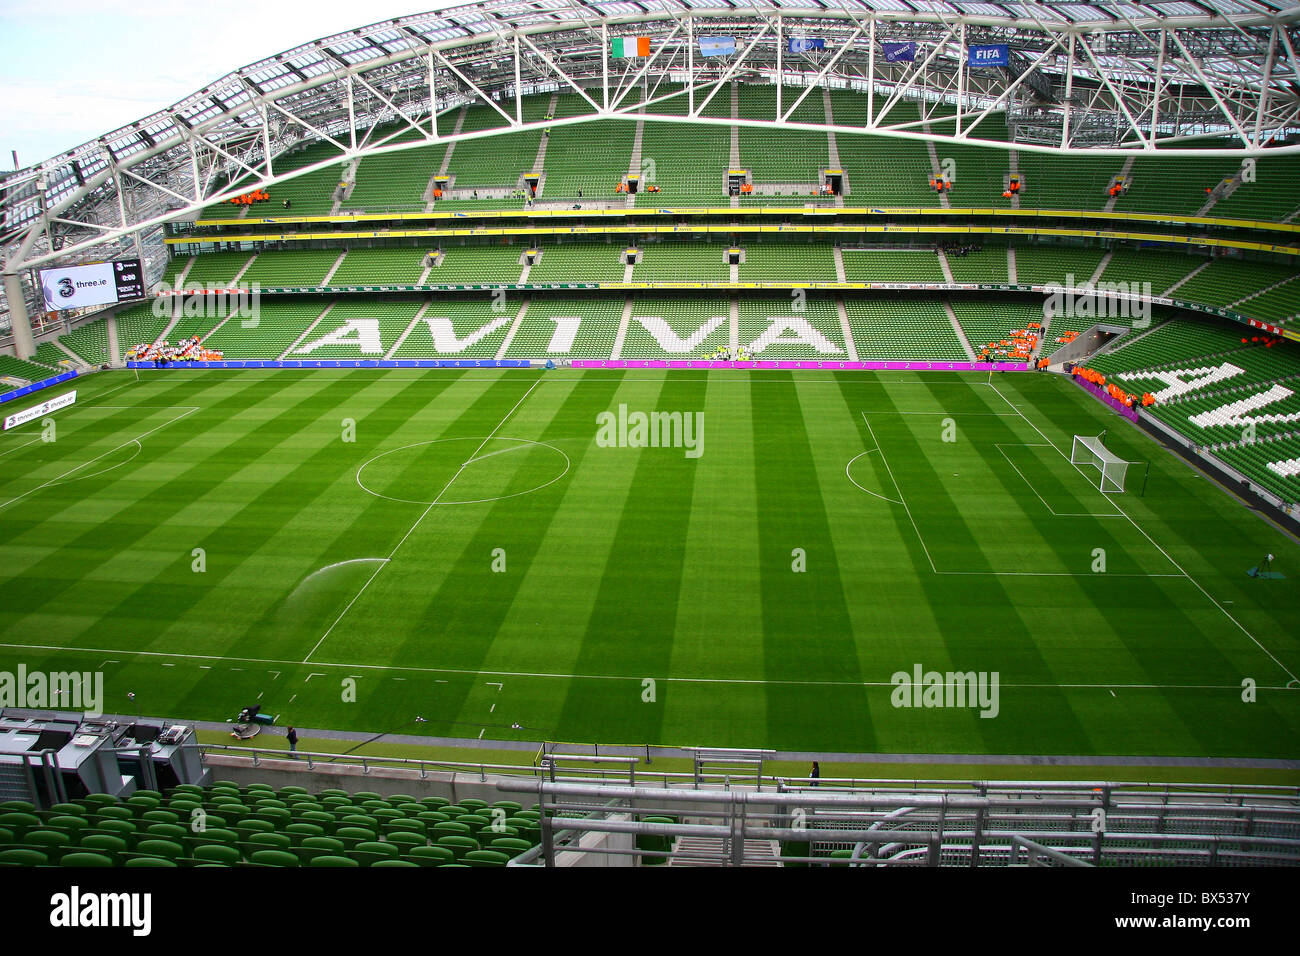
<point x="258" y="825"/>
<point x="894" y="330"/>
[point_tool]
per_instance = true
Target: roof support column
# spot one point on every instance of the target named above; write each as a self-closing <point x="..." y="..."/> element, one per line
<point x="690" y="66"/>
<point x="780" y="63"/>
<point x="24" y="345"/>
<point x="871" y="74"/>
<point x="433" y="98"/>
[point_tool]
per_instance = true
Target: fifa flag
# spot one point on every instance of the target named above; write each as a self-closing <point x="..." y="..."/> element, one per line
<point x="899" y="52"/>
<point x="717" y="46"/>
<point x="806" y="44"/>
<point x="623" y="47"/>
<point x="989" y="54"/>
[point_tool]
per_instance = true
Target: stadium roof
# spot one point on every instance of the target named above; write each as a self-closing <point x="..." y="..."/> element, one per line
<point x="1123" y="77"/>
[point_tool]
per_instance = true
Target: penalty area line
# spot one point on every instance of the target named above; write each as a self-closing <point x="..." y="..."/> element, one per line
<point x="1142" y="531"/>
<point x="190" y="410"/>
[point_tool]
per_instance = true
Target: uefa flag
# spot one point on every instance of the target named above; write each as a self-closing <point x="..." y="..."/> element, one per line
<point x="806" y="44"/>
<point x="899" y="52"/>
<point x="623" y="47"/>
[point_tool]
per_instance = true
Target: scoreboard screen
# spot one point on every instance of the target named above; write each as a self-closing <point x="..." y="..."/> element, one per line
<point x="128" y="277"/>
<point x="103" y="283"/>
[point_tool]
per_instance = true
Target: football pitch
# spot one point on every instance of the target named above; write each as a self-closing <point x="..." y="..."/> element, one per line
<point x="483" y="550"/>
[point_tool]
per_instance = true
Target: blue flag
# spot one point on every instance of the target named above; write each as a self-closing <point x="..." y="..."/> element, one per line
<point x="899" y="52"/>
<point x="989" y="54"/>
<point x="717" y="46"/>
<point x="806" y="44"/>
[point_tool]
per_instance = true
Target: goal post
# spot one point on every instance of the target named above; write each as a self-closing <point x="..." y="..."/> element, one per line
<point x="1090" y="451"/>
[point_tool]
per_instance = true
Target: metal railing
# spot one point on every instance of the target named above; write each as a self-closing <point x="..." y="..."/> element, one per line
<point x="1060" y="824"/>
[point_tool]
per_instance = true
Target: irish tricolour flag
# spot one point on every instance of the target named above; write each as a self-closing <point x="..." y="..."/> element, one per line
<point x="621" y="47"/>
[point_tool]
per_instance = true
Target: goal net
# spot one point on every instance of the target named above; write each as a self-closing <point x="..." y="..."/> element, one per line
<point x="1089" y="451"/>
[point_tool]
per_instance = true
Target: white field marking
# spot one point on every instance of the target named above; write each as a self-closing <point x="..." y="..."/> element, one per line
<point x="481" y="733"/>
<point x="190" y="410"/>
<point x="867" y="490"/>
<point x="169" y="665"/>
<point x="492" y="709"/>
<point x="1062" y="574"/>
<point x="501" y="451"/>
<point x="898" y="488"/>
<point x="1010" y="574"/>
<point x="1168" y="557"/>
<point x="110" y="392"/>
<point x="765" y="381"/>
<point x="15" y="448"/>
<point x="106" y="663"/>
<point x="950" y="414"/>
<point x="293" y="698"/>
<point x="617" y="677"/>
<point x="497" y="684"/>
<point x="276" y="673"/>
<point x="103" y="471"/>
<point x="419" y="520"/>
<point x="1030" y="485"/>
<point x="521" y="443"/>
<point x="305" y="679"/>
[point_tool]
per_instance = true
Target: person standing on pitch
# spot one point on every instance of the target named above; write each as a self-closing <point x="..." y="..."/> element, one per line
<point x="816" y="773"/>
<point x="293" y="741"/>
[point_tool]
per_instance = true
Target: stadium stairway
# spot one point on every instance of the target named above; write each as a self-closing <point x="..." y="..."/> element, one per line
<point x="1187" y="278"/>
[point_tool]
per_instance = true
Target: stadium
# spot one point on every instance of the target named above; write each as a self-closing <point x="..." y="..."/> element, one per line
<point x="569" y="433"/>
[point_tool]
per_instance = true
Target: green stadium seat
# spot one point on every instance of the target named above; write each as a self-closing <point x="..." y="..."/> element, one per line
<point x="267" y="841"/>
<point x="511" y="845"/>
<point x="369" y="852"/>
<point x="486" y="858"/>
<point x="312" y="847"/>
<point x="83" y="860"/>
<point x="430" y="855"/>
<point x="53" y="843"/>
<point x="333" y="861"/>
<point x="217" y="853"/>
<point x="23" y="856"/>
<point x="352" y="836"/>
<point x="166" y="849"/>
<point x="110" y="846"/>
<point x="458" y="844"/>
<point x="406" y="841"/>
<point x="19" y="822"/>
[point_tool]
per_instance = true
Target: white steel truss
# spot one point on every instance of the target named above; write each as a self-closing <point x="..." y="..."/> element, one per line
<point x="1085" y="78"/>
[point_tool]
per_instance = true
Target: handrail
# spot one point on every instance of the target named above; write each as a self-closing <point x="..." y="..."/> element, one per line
<point x="782" y="784"/>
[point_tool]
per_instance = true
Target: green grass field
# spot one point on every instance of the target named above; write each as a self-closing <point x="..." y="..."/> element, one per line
<point x="378" y="560"/>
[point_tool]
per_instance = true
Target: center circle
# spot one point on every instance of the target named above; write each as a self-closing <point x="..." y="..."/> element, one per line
<point x="462" y="471"/>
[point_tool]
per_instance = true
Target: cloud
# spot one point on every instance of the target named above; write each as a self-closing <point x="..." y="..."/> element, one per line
<point x="73" y="72"/>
